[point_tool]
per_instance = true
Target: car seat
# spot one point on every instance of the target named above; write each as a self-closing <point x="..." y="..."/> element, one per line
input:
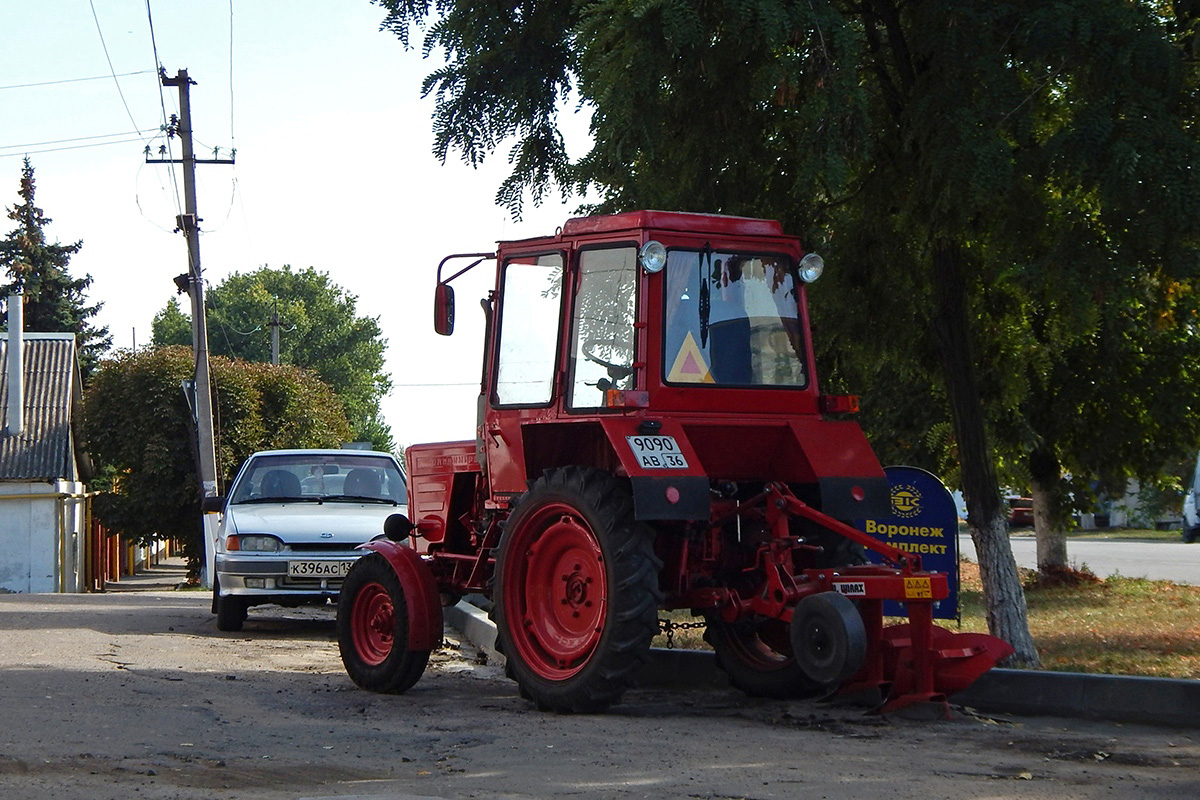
<point x="280" y="483"/>
<point x="362" y="482"/>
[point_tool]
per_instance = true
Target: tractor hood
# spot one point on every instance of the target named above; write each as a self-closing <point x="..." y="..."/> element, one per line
<point x="831" y="455"/>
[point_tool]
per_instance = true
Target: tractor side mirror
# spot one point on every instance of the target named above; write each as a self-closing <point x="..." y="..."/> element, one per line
<point x="443" y="309"/>
<point x="398" y="527"/>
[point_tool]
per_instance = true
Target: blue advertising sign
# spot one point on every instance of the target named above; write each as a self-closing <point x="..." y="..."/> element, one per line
<point x="924" y="521"/>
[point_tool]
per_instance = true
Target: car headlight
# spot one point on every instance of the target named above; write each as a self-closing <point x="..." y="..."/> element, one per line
<point x="257" y="544"/>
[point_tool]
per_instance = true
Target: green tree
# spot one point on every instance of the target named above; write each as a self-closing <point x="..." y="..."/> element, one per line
<point x="54" y="301"/>
<point x="1119" y="404"/>
<point x="139" y="426"/>
<point x="320" y="330"/>
<point x="957" y="159"/>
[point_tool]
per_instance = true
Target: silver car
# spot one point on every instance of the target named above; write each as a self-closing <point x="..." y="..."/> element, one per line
<point x="291" y="522"/>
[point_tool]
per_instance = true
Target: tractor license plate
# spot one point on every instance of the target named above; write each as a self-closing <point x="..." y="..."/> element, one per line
<point x="318" y="569"/>
<point x="657" y="452"/>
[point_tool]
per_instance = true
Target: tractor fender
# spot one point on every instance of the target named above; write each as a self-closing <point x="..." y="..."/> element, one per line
<point x="420" y="593"/>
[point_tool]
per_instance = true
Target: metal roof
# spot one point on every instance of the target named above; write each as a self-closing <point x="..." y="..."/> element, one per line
<point x="45" y="448"/>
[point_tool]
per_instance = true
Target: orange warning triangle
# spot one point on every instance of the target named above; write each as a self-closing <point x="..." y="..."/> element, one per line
<point x="690" y="366"/>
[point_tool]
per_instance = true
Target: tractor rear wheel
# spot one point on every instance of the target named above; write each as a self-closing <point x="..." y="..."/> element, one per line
<point x="756" y="654"/>
<point x="372" y="629"/>
<point x="576" y="591"/>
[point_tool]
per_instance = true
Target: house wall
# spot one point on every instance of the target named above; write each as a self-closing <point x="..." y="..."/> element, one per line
<point x="42" y="541"/>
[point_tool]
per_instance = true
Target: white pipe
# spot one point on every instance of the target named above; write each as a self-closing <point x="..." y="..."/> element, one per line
<point x="16" y="373"/>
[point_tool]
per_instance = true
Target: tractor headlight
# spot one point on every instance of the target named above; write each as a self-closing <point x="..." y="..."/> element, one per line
<point x="653" y="256"/>
<point x="811" y="267"/>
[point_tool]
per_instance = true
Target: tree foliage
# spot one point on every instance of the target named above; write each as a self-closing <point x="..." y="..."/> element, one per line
<point x="54" y="301"/>
<point x="320" y="330"/>
<point x="140" y="428"/>
<point x="997" y="183"/>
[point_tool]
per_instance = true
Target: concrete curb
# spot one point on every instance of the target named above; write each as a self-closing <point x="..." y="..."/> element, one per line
<point x="473" y="623"/>
<point x="1111" y="698"/>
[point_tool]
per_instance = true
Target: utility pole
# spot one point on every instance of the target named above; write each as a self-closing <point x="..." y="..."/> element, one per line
<point x="275" y="334"/>
<point x="188" y="223"/>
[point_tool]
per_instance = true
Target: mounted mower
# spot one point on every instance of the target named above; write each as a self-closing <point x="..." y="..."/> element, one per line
<point x="651" y="436"/>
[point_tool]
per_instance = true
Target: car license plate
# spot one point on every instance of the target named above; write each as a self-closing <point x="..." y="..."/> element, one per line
<point x="657" y="452"/>
<point x="318" y="569"/>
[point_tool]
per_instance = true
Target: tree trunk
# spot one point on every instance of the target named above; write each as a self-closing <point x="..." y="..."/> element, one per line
<point x="1051" y="538"/>
<point x="1004" y="600"/>
<point x="1046" y="473"/>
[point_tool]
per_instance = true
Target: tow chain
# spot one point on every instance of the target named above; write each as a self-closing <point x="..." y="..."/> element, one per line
<point x="669" y="627"/>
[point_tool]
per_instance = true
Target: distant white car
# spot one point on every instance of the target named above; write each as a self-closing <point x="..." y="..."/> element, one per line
<point x="291" y="522"/>
<point x="1191" y="508"/>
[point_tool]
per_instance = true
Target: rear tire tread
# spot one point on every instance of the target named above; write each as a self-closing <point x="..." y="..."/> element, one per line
<point x="634" y="595"/>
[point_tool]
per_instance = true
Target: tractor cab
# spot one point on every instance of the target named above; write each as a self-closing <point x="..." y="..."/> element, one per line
<point x="669" y="348"/>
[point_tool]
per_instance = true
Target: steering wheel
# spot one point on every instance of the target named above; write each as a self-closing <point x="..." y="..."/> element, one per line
<point x="615" y="371"/>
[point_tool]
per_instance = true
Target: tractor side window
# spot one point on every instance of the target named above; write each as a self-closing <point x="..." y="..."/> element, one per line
<point x="529" y="315"/>
<point x="602" y="333"/>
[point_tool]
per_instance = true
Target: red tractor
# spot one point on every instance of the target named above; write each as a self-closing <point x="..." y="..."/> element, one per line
<point x="651" y="436"/>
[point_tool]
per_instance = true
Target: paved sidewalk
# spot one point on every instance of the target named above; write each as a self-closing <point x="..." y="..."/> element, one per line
<point x="165" y="576"/>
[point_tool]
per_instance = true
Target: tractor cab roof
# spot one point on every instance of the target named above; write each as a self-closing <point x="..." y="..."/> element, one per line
<point x="675" y="221"/>
<point x="679" y="221"/>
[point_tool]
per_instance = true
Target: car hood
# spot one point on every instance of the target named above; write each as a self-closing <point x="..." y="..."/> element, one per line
<point x="352" y="523"/>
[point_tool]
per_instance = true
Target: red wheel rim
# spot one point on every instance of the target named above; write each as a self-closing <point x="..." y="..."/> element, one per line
<point x="373" y="624"/>
<point x="555" y="591"/>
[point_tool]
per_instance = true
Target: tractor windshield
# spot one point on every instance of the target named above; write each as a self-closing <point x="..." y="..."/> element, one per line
<point x="732" y="319"/>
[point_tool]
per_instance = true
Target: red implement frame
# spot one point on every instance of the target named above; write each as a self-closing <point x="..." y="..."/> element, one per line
<point x="907" y="664"/>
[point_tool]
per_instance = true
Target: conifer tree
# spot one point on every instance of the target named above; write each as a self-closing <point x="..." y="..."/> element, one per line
<point x="54" y="301"/>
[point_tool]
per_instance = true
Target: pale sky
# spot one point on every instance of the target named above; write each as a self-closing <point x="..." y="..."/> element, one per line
<point x="334" y="169"/>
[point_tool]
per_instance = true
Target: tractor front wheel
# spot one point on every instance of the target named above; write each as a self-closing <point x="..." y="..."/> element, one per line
<point x="756" y="654"/>
<point x="372" y="629"/>
<point x="576" y="591"/>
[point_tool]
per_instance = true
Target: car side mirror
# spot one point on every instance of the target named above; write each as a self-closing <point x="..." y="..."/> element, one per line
<point x="213" y="505"/>
<point x="443" y="309"/>
<point x="397" y="527"/>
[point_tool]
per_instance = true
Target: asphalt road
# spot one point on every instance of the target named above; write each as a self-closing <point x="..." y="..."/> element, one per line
<point x="1164" y="561"/>
<point x="136" y="694"/>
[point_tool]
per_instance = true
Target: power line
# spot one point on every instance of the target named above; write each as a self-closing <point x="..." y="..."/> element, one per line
<point x="233" y="189"/>
<point x="432" y="385"/>
<point x="232" y="140"/>
<point x="76" y="139"/>
<point x="72" y="147"/>
<point x="158" y="67"/>
<point x="137" y="198"/>
<point x="110" y="65"/>
<point x="76" y="80"/>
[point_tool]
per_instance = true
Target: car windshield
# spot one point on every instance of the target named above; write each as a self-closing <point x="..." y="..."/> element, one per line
<point x="732" y="319"/>
<point x="320" y="477"/>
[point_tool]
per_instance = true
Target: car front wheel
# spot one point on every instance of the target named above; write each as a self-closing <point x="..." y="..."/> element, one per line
<point x="230" y="609"/>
